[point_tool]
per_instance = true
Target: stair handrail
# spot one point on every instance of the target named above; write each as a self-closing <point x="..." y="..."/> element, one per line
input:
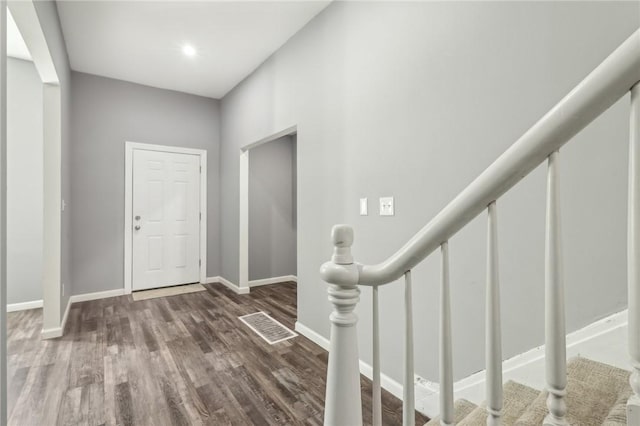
<point x="603" y="87"/>
<point x="617" y="75"/>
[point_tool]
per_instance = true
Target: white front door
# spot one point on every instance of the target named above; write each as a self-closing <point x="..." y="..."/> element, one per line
<point x="166" y="219"/>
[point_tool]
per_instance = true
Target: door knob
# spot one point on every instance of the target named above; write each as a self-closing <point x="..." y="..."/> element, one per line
<point x="137" y="217"/>
<point x="137" y="227"/>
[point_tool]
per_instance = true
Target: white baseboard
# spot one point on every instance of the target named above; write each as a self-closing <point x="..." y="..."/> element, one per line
<point x="386" y="382"/>
<point x="23" y="306"/>
<point x="274" y="280"/>
<point x="52" y="333"/>
<point x="97" y="295"/>
<point x="316" y="338"/>
<point x="228" y="284"/>
<point x="604" y="341"/>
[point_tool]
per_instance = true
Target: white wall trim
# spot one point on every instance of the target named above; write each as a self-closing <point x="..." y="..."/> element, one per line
<point x="228" y="284"/>
<point x="97" y="295"/>
<point x="386" y="382"/>
<point x="128" y="205"/>
<point x="289" y="131"/>
<point x="26" y="17"/>
<point x="527" y="364"/>
<point x="53" y="332"/>
<point x="23" y="306"/>
<point x="521" y="366"/>
<point x="28" y="22"/>
<point x="274" y="280"/>
<point x="243" y="255"/>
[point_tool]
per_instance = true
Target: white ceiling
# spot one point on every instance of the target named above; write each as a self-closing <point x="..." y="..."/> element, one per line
<point x="16" y="47"/>
<point x="142" y="41"/>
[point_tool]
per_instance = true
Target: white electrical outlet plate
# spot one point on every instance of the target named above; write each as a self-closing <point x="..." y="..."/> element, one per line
<point x="364" y="207"/>
<point x="386" y="206"/>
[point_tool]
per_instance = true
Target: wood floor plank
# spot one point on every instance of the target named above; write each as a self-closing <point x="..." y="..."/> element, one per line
<point x="180" y="360"/>
<point x="124" y="409"/>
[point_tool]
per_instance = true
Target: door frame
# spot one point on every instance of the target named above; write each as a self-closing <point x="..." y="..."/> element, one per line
<point x="130" y="147"/>
<point x="243" y="255"/>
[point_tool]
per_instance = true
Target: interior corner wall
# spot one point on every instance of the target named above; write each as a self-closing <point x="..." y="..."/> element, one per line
<point x="272" y="209"/>
<point x="49" y="21"/>
<point x="24" y="182"/>
<point x="414" y="100"/>
<point x="106" y="114"/>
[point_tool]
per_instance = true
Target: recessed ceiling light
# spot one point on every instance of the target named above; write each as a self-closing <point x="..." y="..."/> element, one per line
<point x="189" y="50"/>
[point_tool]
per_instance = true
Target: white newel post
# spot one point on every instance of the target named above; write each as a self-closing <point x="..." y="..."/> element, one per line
<point x="343" y="405"/>
<point x="633" y="258"/>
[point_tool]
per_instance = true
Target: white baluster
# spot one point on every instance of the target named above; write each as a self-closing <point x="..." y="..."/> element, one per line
<point x="377" y="392"/>
<point x="408" y="406"/>
<point x="493" y="346"/>
<point x="446" y="362"/>
<point x="555" y="335"/>
<point x="633" y="258"/>
<point x="343" y="406"/>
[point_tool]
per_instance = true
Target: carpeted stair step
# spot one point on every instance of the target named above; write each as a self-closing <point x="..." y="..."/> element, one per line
<point x="618" y="414"/>
<point x="516" y="399"/>
<point x="594" y="391"/>
<point x="461" y="408"/>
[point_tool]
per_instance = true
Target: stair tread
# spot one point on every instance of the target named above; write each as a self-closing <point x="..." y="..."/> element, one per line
<point x="517" y="398"/>
<point x="593" y="391"/>
<point x="618" y="414"/>
<point x="461" y="408"/>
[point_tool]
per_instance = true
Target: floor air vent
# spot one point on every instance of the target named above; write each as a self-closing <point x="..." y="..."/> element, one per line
<point x="267" y="328"/>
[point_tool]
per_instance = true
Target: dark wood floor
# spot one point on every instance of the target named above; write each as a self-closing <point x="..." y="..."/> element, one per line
<point x="180" y="360"/>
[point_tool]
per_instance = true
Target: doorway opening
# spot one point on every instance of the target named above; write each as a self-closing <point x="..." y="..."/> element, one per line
<point x="27" y="32"/>
<point x="268" y="211"/>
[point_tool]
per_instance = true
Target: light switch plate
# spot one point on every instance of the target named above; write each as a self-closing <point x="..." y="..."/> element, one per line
<point x="364" y="207"/>
<point x="386" y="206"/>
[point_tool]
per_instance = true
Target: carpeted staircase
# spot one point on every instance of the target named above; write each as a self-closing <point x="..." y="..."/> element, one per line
<point x="596" y="395"/>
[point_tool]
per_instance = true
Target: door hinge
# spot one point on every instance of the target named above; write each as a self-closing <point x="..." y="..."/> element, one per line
<point x="200" y="216"/>
<point x="200" y="262"/>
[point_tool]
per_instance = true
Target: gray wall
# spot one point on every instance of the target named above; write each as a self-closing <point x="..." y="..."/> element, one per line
<point x="106" y="113"/>
<point x="414" y="100"/>
<point x="50" y="23"/>
<point x="272" y="226"/>
<point x="24" y="182"/>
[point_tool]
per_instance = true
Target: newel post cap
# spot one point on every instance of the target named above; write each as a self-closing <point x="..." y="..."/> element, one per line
<point x="341" y="270"/>
<point x="342" y="238"/>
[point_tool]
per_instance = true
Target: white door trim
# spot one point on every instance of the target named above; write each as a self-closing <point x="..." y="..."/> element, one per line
<point x="243" y="256"/>
<point x="128" y="204"/>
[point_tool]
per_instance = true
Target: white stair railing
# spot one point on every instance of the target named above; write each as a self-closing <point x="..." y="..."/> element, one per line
<point x="633" y="257"/>
<point x="343" y="403"/>
<point x="408" y="389"/>
<point x="493" y="345"/>
<point x="377" y="390"/>
<point x="616" y="76"/>
<point x="555" y="335"/>
<point x="446" y="351"/>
